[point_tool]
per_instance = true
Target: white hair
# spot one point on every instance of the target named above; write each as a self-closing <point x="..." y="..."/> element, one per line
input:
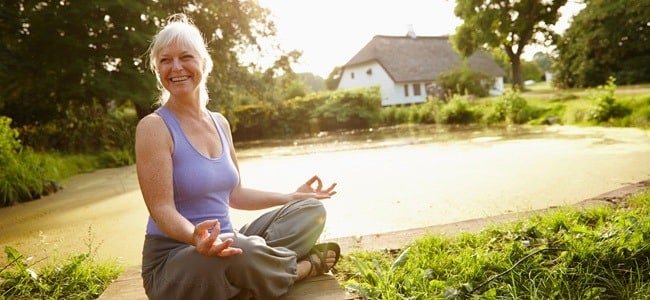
<point x="179" y="29"/>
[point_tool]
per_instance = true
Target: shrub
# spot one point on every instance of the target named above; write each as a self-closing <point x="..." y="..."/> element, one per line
<point x="457" y="111"/>
<point x="349" y="109"/>
<point x="511" y="108"/>
<point x="606" y="106"/>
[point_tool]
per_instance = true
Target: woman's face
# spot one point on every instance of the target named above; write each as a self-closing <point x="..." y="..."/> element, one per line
<point x="180" y="69"/>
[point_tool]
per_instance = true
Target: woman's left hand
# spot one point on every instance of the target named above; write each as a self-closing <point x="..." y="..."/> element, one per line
<point x="307" y="189"/>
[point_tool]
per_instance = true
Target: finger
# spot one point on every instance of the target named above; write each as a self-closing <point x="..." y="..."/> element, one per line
<point x="319" y="183"/>
<point x="205" y="225"/>
<point x="230" y="252"/>
<point x="219" y="247"/>
<point x="330" y="189"/>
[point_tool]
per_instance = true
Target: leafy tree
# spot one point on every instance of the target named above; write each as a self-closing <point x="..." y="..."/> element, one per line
<point x="606" y="38"/>
<point x="333" y="79"/>
<point x="509" y="24"/>
<point x="543" y="61"/>
<point x="313" y="81"/>
<point x="531" y="71"/>
<point x="61" y="54"/>
<point x="61" y="58"/>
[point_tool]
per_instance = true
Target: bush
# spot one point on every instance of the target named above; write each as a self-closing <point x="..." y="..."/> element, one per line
<point x="19" y="175"/>
<point x="606" y="106"/>
<point x="349" y="109"/>
<point x="457" y="111"/>
<point x="511" y="108"/>
<point x="85" y="129"/>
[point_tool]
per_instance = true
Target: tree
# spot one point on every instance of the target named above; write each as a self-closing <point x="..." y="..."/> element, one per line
<point x="333" y="79"/>
<point x="509" y="24"/>
<point x="606" y="38"/>
<point x="57" y="55"/>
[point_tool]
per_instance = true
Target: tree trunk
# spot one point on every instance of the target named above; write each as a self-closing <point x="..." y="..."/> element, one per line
<point x="517" y="76"/>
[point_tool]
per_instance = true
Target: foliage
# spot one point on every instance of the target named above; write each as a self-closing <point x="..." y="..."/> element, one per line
<point x="77" y="277"/>
<point x="333" y="79"/>
<point x="457" y="111"/>
<point x="465" y="81"/>
<point x="531" y="71"/>
<point x="314" y="82"/>
<point x="323" y="111"/>
<point x="27" y="175"/>
<point x="349" y="109"/>
<point x="606" y="38"/>
<point x="87" y="128"/>
<point x="511" y="25"/>
<point x="606" y="106"/>
<point x="598" y="253"/>
<point x="511" y="108"/>
<point x="109" y="47"/>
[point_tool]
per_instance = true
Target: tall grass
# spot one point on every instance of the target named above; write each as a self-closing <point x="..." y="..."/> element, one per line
<point x="76" y="277"/>
<point x="599" y="253"/>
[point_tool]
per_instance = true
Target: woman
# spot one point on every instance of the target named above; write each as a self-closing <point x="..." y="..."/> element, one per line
<point x="189" y="177"/>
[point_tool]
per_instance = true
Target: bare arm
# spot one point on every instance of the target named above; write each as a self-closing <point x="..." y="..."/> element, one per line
<point x="153" y="149"/>
<point x="252" y="199"/>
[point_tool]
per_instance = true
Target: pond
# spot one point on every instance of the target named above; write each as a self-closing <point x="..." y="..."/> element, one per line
<point x="388" y="179"/>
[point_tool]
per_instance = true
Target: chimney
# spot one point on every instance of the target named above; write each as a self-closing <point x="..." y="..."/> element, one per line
<point x="411" y="32"/>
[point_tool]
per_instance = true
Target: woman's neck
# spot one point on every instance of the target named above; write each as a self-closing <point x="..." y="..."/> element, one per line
<point x="186" y="107"/>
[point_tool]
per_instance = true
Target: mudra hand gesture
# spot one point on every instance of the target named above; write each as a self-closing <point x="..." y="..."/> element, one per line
<point x="307" y="190"/>
<point x="209" y="244"/>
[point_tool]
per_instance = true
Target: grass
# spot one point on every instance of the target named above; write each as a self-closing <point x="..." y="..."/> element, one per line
<point x="77" y="277"/>
<point x="598" y="253"/>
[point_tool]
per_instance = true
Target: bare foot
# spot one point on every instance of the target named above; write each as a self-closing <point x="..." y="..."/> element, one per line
<point x="307" y="268"/>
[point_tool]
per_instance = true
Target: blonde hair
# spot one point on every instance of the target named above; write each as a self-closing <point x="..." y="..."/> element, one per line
<point x="180" y="29"/>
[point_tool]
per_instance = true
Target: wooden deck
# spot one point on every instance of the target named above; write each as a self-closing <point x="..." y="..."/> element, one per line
<point x="323" y="287"/>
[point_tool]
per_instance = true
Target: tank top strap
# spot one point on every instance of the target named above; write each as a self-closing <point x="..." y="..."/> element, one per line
<point x="172" y="123"/>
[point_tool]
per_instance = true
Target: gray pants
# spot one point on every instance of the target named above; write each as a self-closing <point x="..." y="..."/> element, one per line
<point x="272" y="245"/>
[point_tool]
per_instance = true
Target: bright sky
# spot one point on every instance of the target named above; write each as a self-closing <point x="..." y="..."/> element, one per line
<point x="330" y="32"/>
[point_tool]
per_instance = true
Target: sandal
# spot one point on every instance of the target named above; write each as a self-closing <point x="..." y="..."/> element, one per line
<point x="321" y="251"/>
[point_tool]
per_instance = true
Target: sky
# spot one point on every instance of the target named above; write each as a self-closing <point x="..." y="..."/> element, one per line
<point x="331" y="32"/>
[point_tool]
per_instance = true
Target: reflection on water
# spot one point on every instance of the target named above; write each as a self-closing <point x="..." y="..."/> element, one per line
<point x="389" y="136"/>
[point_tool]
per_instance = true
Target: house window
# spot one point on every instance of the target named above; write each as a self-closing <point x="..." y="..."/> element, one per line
<point x="369" y="72"/>
<point x="416" y="89"/>
<point x="406" y="90"/>
<point x="352" y="75"/>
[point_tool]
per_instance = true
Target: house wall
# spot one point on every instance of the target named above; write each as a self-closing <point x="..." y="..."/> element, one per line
<point x="373" y="74"/>
<point x="498" y="87"/>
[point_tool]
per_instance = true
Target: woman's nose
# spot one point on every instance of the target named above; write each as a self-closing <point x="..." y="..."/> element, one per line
<point x="177" y="64"/>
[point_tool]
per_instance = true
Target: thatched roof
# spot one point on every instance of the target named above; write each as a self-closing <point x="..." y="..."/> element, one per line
<point x="422" y="58"/>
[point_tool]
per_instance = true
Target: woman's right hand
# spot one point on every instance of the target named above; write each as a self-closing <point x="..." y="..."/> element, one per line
<point x="209" y="244"/>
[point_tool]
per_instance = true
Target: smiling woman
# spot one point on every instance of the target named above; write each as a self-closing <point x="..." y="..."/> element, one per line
<point x="189" y="179"/>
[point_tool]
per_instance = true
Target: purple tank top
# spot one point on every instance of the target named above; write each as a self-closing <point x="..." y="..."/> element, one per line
<point x="202" y="185"/>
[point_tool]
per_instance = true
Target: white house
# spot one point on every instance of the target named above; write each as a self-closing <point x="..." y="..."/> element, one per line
<point x="404" y="66"/>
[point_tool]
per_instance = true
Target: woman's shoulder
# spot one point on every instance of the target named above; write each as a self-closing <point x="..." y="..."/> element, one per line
<point x="152" y="121"/>
<point x="221" y="119"/>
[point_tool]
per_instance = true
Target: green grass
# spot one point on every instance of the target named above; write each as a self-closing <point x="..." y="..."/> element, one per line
<point x="599" y="253"/>
<point x="76" y="277"/>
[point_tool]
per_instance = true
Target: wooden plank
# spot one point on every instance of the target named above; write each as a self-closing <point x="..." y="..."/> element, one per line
<point x="324" y="287"/>
<point x="127" y="286"/>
